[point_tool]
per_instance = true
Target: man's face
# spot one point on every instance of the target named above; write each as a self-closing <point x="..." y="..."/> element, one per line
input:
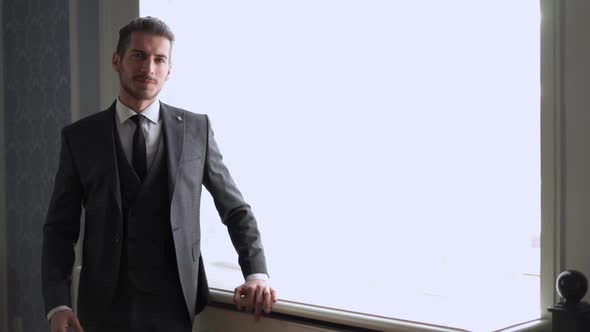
<point x="144" y="67"/>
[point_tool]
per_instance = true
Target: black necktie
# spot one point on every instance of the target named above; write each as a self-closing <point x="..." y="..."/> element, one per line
<point x="139" y="156"/>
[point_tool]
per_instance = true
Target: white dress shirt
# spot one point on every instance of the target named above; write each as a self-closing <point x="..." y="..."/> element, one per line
<point x="152" y="131"/>
<point x="151" y="125"/>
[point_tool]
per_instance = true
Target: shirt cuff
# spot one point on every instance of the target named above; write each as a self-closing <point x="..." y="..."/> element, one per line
<point x="257" y="276"/>
<point x="56" y="309"/>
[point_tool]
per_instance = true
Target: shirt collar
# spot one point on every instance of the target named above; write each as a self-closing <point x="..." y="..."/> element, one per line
<point x="152" y="112"/>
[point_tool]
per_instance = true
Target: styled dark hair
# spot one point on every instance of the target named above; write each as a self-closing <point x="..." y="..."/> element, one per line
<point x="146" y="24"/>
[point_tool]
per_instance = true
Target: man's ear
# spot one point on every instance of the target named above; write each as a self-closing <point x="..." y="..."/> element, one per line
<point x="116" y="59"/>
<point x="169" y="69"/>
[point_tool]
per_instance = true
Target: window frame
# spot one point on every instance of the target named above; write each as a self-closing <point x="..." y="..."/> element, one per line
<point x="113" y="14"/>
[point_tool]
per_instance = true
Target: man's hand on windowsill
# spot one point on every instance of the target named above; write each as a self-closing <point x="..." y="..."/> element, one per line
<point x="255" y="295"/>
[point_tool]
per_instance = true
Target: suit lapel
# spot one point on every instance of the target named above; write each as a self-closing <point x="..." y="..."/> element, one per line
<point x="173" y="120"/>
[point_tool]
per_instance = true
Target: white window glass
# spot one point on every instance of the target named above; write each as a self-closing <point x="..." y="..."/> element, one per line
<point x="390" y="149"/>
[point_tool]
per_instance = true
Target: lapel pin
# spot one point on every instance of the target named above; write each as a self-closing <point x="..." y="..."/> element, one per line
<point x="178" y="118"/>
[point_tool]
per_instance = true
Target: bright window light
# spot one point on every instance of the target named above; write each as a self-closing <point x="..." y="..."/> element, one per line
<point x="390" y="150"/>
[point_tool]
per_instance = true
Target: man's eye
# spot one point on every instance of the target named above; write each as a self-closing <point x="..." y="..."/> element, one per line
<point x="137" y="55"/>
<point x="161" y="60"/>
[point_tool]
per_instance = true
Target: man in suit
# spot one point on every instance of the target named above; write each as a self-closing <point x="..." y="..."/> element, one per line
<point x="138" y="169"/>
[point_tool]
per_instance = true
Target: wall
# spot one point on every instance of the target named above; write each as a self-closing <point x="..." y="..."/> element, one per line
<point x="36" y="105"/>
<point x="216" y="319"/>
<point x="84" y="24"/>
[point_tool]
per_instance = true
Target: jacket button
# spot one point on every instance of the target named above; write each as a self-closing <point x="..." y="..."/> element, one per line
<point x="116" y="239"/>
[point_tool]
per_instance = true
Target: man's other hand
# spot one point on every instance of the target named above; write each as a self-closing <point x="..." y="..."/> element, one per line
<point x="61" y="320"/>
<point x="255" y="295"/>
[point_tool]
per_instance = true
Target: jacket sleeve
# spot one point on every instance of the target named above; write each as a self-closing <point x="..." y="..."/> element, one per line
<point x="60" y="231"/>
<point x="234" y="212"/>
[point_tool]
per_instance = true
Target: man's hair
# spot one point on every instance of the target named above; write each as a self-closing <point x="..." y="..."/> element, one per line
<point x="146" y="24"/>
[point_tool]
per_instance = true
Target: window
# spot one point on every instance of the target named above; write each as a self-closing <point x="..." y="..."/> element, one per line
<point x="390" y="149"/>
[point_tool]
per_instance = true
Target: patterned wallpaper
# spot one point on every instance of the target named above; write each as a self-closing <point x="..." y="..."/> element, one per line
<point x="37" y="105"/>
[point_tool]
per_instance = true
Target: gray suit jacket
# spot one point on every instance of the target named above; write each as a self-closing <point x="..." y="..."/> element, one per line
<point x="88" y="176"/>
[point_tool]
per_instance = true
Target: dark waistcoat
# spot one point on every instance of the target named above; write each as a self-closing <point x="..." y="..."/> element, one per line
<point x="148" y="258"/>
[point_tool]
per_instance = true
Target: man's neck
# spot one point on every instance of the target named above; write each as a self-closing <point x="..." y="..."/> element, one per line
<point x="136" y="105"/>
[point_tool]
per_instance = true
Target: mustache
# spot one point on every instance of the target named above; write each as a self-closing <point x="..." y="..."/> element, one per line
<point x="145" y="78"/>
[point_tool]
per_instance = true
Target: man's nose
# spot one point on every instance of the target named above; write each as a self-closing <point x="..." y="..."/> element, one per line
<point x="148" y="66"/>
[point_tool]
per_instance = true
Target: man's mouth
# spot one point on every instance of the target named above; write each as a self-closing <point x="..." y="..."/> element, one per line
<point x="145" y="80"/>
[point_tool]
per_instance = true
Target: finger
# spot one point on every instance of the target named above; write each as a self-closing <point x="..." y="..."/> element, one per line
<point x="59" y="327"/>
<point x="250" y="298"/>
<point x="258" y="307"/>
<point x="76" y="325"/>
<point x="274" y="295"/>
<point x="238" y="298"/>
<point x="63" y="328"/>
<point x="267" y="300"/>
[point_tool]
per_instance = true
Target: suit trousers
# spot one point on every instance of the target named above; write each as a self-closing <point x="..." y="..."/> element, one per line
<point x="134" y="310"/>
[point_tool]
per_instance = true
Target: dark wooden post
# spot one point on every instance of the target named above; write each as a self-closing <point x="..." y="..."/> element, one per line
<point x="571" y="315"/>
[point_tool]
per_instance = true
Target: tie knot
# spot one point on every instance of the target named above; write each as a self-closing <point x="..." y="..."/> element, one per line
<point x="137" y="119"/>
